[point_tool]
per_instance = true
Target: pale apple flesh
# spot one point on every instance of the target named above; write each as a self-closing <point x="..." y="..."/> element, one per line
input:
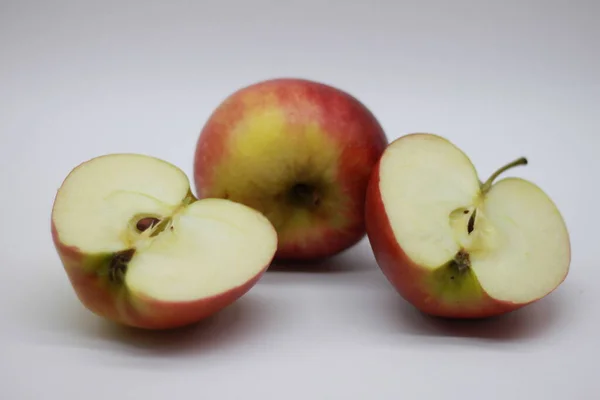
<point x="139" y="249"/>
<point x="456" y="247"/>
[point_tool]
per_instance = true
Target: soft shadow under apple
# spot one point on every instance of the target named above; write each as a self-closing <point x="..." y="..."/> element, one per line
<point x="529" y="323"/>
<point x="232" y="325"/>
<point x="56" y="318"/>
<point x="352" y="260"/>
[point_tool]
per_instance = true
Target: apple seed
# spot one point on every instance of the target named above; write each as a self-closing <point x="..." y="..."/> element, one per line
<point x="146" y="223"/>
<point x="471" y="223"/>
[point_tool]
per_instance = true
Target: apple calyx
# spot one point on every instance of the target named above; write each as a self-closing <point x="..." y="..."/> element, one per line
<point x="118" y="265"/>
<point x="305" y="195"/>
<point x="461" y="261"/>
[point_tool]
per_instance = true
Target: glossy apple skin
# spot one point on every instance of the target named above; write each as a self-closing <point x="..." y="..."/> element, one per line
<point x="313" y="127"/>
<point x="413" y="282"/>
<point x="116" y="303"/>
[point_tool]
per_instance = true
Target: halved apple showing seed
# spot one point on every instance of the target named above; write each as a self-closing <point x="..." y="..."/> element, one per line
<point x="454" y="246"/>
<point x="141" y="250"/>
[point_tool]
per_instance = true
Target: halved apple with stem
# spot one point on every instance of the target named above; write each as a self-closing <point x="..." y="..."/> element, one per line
<point x="456" y="247"/>
<point x="141" y="250"/>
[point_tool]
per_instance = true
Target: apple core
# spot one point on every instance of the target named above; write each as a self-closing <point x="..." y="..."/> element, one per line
<point x="462" y="260"/>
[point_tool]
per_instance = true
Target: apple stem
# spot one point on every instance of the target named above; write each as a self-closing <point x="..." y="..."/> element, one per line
<point x="488" y="184"/>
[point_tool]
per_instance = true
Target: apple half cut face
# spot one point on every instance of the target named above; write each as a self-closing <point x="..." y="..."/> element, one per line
<point x="141" y="250"/>
<point x="454" y="246"/>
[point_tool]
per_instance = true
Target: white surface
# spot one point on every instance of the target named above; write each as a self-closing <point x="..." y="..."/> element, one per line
<point x="500" y="79"/>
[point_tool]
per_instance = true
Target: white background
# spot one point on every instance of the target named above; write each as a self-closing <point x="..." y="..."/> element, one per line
<point x="501" y="79"/>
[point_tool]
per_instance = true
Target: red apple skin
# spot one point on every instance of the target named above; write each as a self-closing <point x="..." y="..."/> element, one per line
<point x="346" y="130"/>
<point x="412" y="281"/>
<point x="115" y="303"/>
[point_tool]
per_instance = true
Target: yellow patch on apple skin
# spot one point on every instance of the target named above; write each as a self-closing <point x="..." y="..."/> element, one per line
<point x="453" y="286"/>
<point x="90" y="276"/>
<point x="267" y="154"/>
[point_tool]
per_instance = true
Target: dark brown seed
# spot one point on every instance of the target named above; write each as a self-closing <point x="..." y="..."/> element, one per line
<point x="146" y="223"/>
<point x="471" y="223"/>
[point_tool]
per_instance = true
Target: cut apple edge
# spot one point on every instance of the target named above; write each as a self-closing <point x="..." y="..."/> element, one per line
<point x="215" y="245"/>
<point x="524" y="251"/>
<point x="515" y="239"/>
<point x="101" y="200"/>
<point x="162" y="244"/>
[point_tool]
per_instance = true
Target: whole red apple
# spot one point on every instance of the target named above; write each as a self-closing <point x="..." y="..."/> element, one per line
<point x="456" y="247"/>
<point x="301" y="152"/>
